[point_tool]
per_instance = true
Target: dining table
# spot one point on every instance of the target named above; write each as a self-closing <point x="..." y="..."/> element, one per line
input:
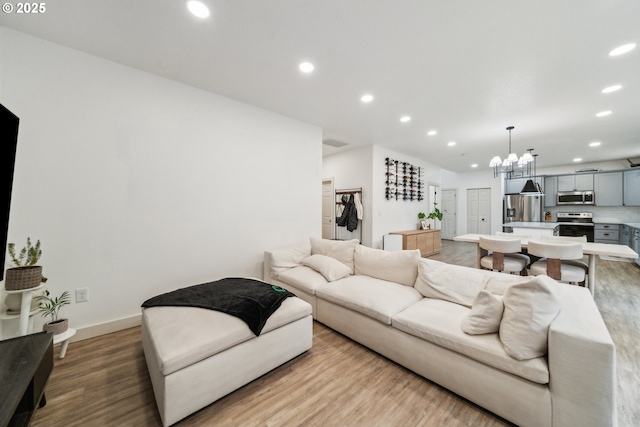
<point x="591" y="249"/>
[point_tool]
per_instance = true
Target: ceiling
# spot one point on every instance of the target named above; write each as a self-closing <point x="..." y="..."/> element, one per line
<point x="467" y="69"/>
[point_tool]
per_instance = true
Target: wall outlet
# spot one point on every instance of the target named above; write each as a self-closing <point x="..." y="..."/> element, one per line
<point x="82" y="295"/>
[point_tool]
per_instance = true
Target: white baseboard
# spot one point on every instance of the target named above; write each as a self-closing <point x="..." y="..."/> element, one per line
<point x="96" y="330"/>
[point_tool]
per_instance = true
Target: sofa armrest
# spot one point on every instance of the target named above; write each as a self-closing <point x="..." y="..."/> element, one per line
<point x="278" y="260"/>
<point x="582" y="363"/>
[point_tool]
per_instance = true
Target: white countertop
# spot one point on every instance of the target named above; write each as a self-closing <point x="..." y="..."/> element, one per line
<point x="606" y="221"/>
<point x="632" y="224"/>
<point x="547" y="225"/>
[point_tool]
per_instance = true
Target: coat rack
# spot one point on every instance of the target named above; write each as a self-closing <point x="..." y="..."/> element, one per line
<point x="339" y="210"/>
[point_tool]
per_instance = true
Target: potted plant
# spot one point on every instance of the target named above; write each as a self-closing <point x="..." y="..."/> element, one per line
<point x="26" y="274"/>
<point x="51" y="307"/>
<point x="435" y="214"/>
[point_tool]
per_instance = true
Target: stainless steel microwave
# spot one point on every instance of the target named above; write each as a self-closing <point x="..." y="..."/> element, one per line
<point x="575" y="198"/>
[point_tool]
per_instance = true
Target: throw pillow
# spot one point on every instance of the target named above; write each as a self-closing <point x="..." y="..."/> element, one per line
<point x="449" y="282"/>
<point x="485" y="315"/>
<point x="342" y="250"/>
<point x="529" y="309"/>
<point x="330" y="268"/>
<point x="286" y="258"/>
<point x="399" y="267"/>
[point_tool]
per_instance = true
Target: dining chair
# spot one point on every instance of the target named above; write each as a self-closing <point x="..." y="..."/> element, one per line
<point x="577" y="262"/>
<point x="552" y="254"/>
<point x="504" y="255"/>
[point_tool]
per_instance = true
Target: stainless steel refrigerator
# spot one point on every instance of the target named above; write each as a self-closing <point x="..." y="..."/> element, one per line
<point x="523" y="207"/>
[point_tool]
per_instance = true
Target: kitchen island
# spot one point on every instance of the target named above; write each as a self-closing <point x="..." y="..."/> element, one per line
<point x="533" y="229"/>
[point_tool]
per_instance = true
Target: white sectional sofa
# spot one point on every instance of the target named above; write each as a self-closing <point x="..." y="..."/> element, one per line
<point x="531" y="350"/>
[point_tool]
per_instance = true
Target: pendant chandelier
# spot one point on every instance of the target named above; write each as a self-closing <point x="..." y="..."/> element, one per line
<point x="508" y="165"/>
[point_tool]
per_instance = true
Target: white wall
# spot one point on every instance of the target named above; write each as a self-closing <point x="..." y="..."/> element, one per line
<point x="397" y="215"/>
<point x="365" y="167"/>
<point x="352" y="169"/>
<point x="137" y="185"/>
<point x="482" y="178"/>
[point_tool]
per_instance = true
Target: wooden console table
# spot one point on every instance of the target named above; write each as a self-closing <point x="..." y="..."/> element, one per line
<point x="428" y="241"/>
<point x="25" y="365"/>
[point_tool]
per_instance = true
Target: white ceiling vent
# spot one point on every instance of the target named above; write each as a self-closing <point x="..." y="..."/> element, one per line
<point x="334" y="143"/>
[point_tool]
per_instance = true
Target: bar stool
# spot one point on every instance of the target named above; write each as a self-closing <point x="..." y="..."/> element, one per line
<point x="577" y="262"/>
<point x="551" y="265"/>
<point x="504" y="255"/>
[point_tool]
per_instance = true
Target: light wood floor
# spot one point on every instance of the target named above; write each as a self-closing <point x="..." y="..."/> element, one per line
<point x="104" y="381"/>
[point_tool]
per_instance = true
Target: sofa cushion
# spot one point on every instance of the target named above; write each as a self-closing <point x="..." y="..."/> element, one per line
<point x="330" y="268"/>
<point x="450" y="282"/>
<point x="379" y="299"/>
<point x="302" y="277"/>
<point x="400" y="267"/>
<point x="529" y="309"/>
<point x="289" y="257"/>
<point x="342" y="250"/>
<point x="439" y="321"/>
<point x="183" y="336"/>
<point x="485" y="315"/>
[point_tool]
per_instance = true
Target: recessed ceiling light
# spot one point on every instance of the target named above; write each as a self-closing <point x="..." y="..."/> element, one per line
<point x="451" y="143"/>
<point x="611" y="88"/>
<point x="432" y="132"/>
<point x="405" y="119"/>
<point x="594" y="144"/>
<point x="577" y="159"/>
<point x="603" y="113"/>
<point x="306" y="67"/>
<point x="366" y="98"/>
<point x="475" y="165"/>
<point x="198" y="9"/>
<point x="622" y="49"/>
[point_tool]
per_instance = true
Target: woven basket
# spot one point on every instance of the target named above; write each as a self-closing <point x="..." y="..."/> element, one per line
<point x="56" y="328"/>
<point x="19" y="278"/>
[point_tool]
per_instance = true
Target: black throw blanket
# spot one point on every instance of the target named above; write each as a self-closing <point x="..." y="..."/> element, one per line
<point x="248" y="299"/>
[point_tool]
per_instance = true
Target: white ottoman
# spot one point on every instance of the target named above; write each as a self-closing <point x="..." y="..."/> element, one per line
<point x="196" y="356"/>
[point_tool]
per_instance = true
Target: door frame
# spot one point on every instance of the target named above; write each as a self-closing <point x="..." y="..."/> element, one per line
<point x="333" y="208"/>
<point x="455" y="211"/>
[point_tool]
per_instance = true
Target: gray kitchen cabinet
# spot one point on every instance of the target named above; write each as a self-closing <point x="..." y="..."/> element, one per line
<point x="550" y="190"/>
<point x="607" y="233"/>
<point x="583" y="181"/>
<point x="631" y="187"/>
<point x="608" y="189"/>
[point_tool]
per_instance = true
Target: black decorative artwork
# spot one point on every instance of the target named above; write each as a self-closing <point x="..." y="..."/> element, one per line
<point x="404" y="181"/>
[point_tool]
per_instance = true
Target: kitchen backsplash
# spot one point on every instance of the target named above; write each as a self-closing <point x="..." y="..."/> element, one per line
<point x="622" y="214"/>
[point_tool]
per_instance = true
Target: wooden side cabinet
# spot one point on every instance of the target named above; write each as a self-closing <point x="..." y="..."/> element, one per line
<point x="428" y="241"/>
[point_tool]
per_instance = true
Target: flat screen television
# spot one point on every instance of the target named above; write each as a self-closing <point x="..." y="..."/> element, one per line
<point x="8" y="141"/>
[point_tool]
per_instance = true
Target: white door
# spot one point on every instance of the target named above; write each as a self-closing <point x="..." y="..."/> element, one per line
<point x="472" y="210"/>
<point x="328" y="209"/>
<point x="479" y="210"/>
<point x="484" y="210"/>
<point x="449" y="213"/>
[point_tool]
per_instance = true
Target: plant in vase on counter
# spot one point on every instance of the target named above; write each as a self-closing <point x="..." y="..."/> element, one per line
<point x="51" y="307"/>
<point x="422" y="224"/>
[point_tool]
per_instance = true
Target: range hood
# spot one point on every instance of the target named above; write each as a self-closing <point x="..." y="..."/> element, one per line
<point x="531" y="187"/>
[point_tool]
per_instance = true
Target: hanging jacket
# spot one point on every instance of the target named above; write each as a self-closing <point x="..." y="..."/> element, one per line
<point x="358" y="206"/>
<point x="349" y="217"/>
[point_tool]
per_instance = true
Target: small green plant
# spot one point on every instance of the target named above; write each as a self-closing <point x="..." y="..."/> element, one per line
<point x="421" y="215"/>
<point x="436" y="212"/>
<point x="29" y="255"/>
<point x="51" y="306"/>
